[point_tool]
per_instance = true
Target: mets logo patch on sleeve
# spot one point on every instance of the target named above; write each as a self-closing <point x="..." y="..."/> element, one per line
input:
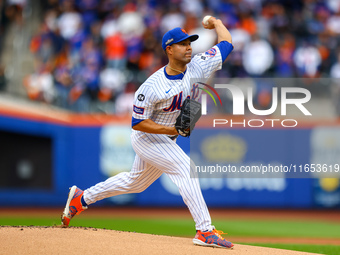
<point x="211" y="52"/>
<point x="138" y="110"/>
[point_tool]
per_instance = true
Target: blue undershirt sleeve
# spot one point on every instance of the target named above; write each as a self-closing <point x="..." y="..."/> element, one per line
<point x="225" y="49"/>
<point x="135" y="121"/>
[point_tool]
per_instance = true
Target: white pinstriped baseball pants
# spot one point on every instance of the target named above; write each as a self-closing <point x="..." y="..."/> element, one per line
<point x="155" y="155"/>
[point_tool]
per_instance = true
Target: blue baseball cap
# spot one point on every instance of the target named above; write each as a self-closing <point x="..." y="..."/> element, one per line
<point x="176" y="35"/>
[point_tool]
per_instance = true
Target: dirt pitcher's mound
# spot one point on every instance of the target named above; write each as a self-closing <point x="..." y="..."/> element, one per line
<point x="53" y="240"/>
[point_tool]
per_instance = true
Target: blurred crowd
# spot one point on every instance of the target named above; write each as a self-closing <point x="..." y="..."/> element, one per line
<point x="92" y="55"/>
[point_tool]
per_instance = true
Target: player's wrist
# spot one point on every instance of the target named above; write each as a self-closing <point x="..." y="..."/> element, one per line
<point x="217" y="22"/>
<point x="173" y="131"/>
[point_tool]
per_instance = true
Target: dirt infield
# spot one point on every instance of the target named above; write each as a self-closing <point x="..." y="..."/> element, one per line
<point x="142" y="212"/>
<point x="89" y="241"/>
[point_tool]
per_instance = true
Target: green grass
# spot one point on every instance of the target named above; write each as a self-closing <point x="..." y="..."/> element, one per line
<point x="185" y="227"/>
<point x="280" y="228"/>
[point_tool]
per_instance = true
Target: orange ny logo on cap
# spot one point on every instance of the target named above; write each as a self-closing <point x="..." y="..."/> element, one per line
<point x="185" y="32"/>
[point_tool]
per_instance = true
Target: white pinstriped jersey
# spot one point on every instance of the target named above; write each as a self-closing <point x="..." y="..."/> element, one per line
<point x="161" y="96"/>
<point x="160" y="99"/>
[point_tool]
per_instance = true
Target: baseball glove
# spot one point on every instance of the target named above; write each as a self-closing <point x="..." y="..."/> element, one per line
<point x="190" y="114"/>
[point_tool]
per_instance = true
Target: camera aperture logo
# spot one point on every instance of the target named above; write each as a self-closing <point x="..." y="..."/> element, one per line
<point x="238" y="98"/>
<point x="204" y="97"/>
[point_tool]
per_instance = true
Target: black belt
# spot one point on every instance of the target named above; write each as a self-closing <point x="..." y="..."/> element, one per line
<point x="173" y="137"/>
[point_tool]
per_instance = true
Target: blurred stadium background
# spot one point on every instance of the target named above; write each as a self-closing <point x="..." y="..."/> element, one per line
<point x="69" y="69"/>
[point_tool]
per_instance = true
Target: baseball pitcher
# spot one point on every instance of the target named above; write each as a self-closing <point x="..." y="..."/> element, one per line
<point x="156" y="110"/>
